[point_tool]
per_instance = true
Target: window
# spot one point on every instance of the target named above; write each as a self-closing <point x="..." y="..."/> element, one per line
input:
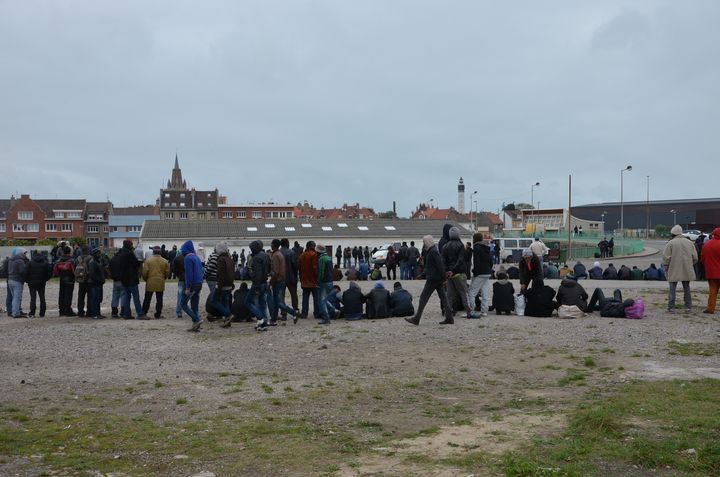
<point x="182" y="195"/>
<point x="59" y="215"/>
<point x="268" y="215"/>
<point x="93" y="229"/>
<point x="362" y="227"/>
<point x="257" y="214"/>
<point x="50" y="227"/>
<point x="342" y="226"/>
<point x="167" y="195"/>
<point x="290" y="229"/>
<point x="2" y="227"/>
<point x="33" y="228"/>
<point x="25" y="228"/>
<point x="327" y="229"/>
<point x="209" y="194"/>
<point x="269" y="226"/>
<point x="174" y="204"/>
<point x="95" y="217"/>
<point x="227" y="215"/>
<point x="241" y="214"/>
<point x="389" y="227"/>
<point x="201" y="215"/>
<point x="169" y="215"/>
<point x="252" y="229"/>
<point x="183" y="215"/>
<point x="306" y="226"/>
<point x="200" y="204"/>
<point x="106" y="229"/>
<point x="67" y="227"/>
<point x="74" y="215"/>
<point x="182" y="204"/>
<point x="134" y="228"/>
<point x="25" y="215"/>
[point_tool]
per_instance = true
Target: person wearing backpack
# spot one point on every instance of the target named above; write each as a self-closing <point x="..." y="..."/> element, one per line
<point x="64" y="270"/>
<point x="95" y="282"/>
<point x="325" y="283"/>
<point x="17" y="270"/>
<point x="82" y="263"/>
<point x="38" y="273"/>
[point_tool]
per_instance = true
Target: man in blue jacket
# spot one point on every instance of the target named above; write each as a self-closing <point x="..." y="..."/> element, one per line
<point x="193" y="284"/>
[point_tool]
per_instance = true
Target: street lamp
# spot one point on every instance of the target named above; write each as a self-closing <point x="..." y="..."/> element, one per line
<point x="532" y="195"/>
<point x="674" y="212"/>
<point x="476" y="214"/>
<point x="602" y="219"/>
<point x="622" y="216"/>
<point x="471" y="203"/>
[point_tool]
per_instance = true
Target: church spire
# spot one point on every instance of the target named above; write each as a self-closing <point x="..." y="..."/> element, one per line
<point x="176" y="181"/>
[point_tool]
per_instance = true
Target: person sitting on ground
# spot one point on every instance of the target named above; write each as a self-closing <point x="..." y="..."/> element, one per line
<point x="351" y="273"/>
<point x="363" y="270"/>
<point x="530" y="269"/>
<point x="334" y="299"/>
<point x="636" y="273"/>
<point x="239" y="310"/>
<point x="624" y="273"/>
<point x="551" y="271"/>
<point x="564" y="271"/>
<point x="596" y="272"/>
<point x="651" y="273"/>
<point x="539" y="299"/>
<point x="571" y="293"/>
<point x="513" y="272"/>
<point x="352" y="301"/>
<point x="337" y="273"/>
<point x="503" y="300"/>
<point x="401" y="301"/>
<point x="580" y="271"/>
<point x="610" y="273"/>
<point x="378" y="301"/>
<point x="376" y="273"/>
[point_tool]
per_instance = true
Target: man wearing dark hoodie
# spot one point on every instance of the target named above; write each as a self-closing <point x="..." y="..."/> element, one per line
<point x="259" y="270"/>
<point x="38" y="273"/>
<point x="412" y="256"/>
<point x="278" y="273"/>
<point x="401" y="301"/>
<point x="610" y="273"/>
<point x="225" y="283"/>
<point x="63" y="269"/>
<point x="453" y="254"/>
<point x="193" y="284"/>
<point x="352" y="300"/>
<point x="444" y="239"/>
<point x="435" y="277"/>
<point x="571" y="293"/>
<point x="17" y="267"/>
<point x="539" y="299"/>
<point x="291" y="275"/>
<point x="503" y="299"/>
<point x="482" y="271"/>
<point x="95" y="282"/>
<point x="130" y="278"/>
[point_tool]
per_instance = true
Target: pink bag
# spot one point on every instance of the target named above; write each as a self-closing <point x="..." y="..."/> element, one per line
<point x="636" y="311"/>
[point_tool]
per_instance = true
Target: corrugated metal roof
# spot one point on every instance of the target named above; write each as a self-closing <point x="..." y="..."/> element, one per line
<point x="293" y="228"/>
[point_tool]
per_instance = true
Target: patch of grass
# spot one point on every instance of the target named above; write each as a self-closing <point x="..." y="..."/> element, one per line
<point x="589" y="362"/>
<point x="572" y="376"/>
<point x="181" y="401"/>
<point x="142" y="383"/>
<point x="130" y="390"/>
<point x="553" y="367"/>
<point x="644" y="425"/>
<point x="267" y="389"/>
<point x="608" y="350"/>
<point x="694" y="349"/>
<point x="158" y="384"/>
<point x="288" y="389"/>
<point x="369" y="425"/>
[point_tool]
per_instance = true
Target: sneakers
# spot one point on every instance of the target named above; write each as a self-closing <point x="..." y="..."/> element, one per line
<point x="447" y="321"/>
<point x="31" y="315"/>
<point x="143" y="317"/>
<point x="324" y="322"/>
<point x="272" y="323"/>
<point x="475" y="314"/>
<point x="412" y="320"/>
<point x="709" y="312"/>
<point x="261" y="326"/>
<point x="226" y="322"/>
<point x="295" y="318"/>
<point x="196" y="326"/>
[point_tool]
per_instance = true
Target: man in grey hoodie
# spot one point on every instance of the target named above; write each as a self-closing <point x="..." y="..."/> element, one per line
<point x="435" y="278"/>
<point x="17" y="267"/>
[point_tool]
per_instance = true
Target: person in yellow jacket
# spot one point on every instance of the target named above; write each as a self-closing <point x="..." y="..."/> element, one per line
<point x="155" y="271"/>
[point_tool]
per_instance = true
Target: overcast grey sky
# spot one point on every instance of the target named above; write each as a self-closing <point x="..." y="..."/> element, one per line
<point x="360" y="101"/>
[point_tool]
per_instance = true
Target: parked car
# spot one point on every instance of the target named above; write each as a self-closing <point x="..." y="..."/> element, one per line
<point x="692" y="234"/>
<point x="380" y="256"/>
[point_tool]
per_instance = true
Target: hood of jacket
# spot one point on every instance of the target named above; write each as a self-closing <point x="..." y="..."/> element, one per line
<point x="187" y="247"/>
<point x="354" y="285"/>
<point x="446" y="231"/>
<point x="428" y="242"/>
<point x="716" y="233"/>
<point x="454" y="233"/>
<point x="221" y="248"/>
<point x="39" y="258"/>
<point x="256" y="246"/>
<point x="568" y="283"/>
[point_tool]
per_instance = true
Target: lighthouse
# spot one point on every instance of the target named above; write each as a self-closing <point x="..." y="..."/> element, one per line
<point x="461" y="196"/>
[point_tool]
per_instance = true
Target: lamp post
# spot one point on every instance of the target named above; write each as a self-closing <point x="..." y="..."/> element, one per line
<point x="674" y="212"/>
<point x="476" y="214"/>
<point x="532" y="195"/>
<point x="622" y="215"/>
<point x="474" y="218"/>
<point x="602" y="219"/>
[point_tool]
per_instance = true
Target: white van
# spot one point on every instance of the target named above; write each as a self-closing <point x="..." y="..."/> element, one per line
<point x="511" y="248"/>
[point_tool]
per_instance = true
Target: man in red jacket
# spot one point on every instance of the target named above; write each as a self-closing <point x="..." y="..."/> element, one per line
<point x="710" y="259"/>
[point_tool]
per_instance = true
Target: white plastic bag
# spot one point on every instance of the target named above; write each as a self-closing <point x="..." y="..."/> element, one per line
<point x="520" y="304"/>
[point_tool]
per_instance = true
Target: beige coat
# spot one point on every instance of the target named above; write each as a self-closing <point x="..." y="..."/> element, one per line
<point x="155" y="271"/>
<point x="679" y="257"/>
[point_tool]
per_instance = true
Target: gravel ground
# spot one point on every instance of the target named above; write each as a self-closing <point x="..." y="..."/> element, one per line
<point x="59" y="355"/>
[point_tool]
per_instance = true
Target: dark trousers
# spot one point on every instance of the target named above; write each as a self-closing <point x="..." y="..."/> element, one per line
<point x="306" y="292"/>
<point x="158" y="303"/>
<point x="36" y="290"/>
<point x="391" y="269"/>
<point x="292" y="289"/>
<point x="65" y="298"/>
<point x="94" y="298"/>
<point x="83" y="290"/>
<point x="430" y="287"/>
<point x="597" y="300"/>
